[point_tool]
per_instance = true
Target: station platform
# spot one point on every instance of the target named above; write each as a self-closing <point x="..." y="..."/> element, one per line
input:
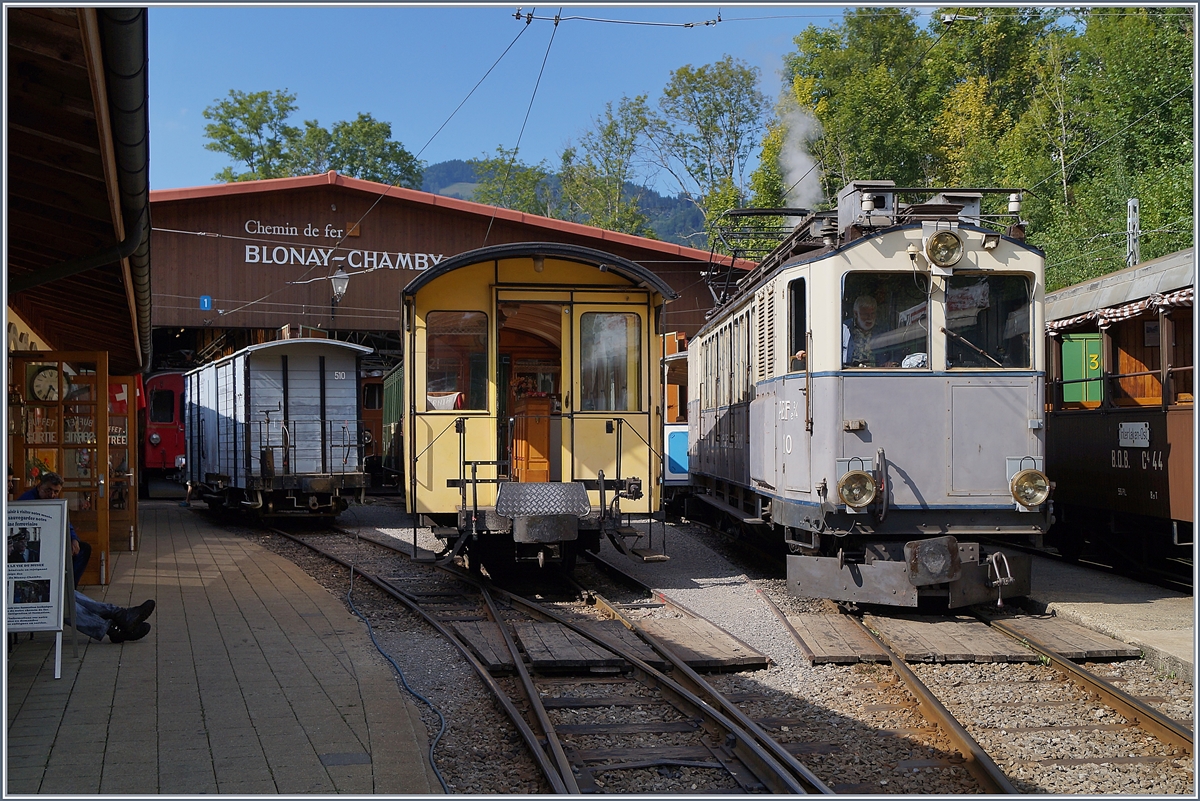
<point x="1161" y="622"/>
<point x="253" y="679"/>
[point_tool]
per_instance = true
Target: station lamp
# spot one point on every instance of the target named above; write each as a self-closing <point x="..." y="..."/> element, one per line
<point x="339" y="280"/>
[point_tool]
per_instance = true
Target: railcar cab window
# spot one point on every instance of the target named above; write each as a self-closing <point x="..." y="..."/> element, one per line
<point x="610" y="356"/>
<point x="987" y="321"/>
<point x="372" y="396"/>
<point x="456" y="360"/>
<point x="885" y="320"/>
<point x="162" y="406"/>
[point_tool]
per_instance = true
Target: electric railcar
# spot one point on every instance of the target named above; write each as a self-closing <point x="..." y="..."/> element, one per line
<point x="371" y="405"/>
<point x="1120" y="417"/>
<point x="530" y="402"/>
<point x="873" y="395"/>
<point x="163" y="442"/>
<point x="276" y="429"/>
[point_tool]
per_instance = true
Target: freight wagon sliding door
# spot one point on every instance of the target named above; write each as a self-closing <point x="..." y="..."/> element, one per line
<point x="58" y="424"/>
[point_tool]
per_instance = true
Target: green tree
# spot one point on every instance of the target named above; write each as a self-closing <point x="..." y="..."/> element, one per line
<point x="506" y="182"/>
<point x="364" y="148"/>
<point x="1110" y="119"/>
<point x="968" y="129"/>
<point x="711" y="119"/>
<point x="310" y="150"/>
<point x="252" y="128"/>
<point x="767" y="190"/>
<point x="596" y="176"/>
<point x="862" y="81"/>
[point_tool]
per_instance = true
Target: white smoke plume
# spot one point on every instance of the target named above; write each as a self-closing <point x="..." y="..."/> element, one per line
<point x="801" y="175"/>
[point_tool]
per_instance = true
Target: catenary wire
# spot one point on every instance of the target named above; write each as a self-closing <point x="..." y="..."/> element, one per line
<point x="524" y="122"/>
<point x="383" y="194"/>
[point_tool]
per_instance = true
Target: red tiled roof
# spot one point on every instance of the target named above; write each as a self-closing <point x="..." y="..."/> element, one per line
<point x="332" y="178"/>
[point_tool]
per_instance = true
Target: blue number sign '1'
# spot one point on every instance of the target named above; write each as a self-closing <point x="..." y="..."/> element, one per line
<point x="206" y="303"/>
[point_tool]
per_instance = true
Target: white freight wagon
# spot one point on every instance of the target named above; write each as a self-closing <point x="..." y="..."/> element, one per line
<point x="277" y="428"/>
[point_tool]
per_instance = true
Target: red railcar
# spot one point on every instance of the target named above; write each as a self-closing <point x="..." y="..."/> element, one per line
<point x="163" y="441"/>
<point x="371" y="409"/>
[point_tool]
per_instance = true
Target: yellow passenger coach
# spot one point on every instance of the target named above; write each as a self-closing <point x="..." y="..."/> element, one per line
<point x="532" y="401"/>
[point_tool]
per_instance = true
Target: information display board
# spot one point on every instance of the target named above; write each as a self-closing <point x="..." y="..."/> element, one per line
<point x="36" y="568"/>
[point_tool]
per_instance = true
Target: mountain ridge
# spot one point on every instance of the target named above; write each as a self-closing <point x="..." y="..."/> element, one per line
<point x="673" y="219"/>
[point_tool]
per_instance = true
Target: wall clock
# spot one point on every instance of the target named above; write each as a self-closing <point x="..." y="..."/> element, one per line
<point x="44" y="384"/>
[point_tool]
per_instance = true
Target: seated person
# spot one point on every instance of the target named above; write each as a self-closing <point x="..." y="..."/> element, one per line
<point x="50" y="486"/>
<point x="857" y="333"/>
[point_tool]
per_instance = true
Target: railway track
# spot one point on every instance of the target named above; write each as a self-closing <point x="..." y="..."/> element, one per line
<point x="1080" y="706"/>
<point x="1002" y="713"/>
<point x="695" y="735"/>
<point x="599" y="715"/>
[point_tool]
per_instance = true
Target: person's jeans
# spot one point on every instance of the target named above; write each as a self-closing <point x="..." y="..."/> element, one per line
<point x="79" y="561"/>
<point x="92" y="617"/>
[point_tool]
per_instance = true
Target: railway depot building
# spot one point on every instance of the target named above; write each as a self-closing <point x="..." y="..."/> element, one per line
<point x="236" y="263"/>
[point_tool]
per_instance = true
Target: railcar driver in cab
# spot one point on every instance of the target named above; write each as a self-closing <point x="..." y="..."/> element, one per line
<point x="887" y="323"/>
<point x="858" y="332"/>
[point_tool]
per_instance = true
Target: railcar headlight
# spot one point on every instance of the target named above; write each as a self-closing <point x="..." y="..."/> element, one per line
<point x="944" y="248"/>
<point x="154" y="438"/>
<point x="856" y="488"/>
<point x="1030" y="488"/>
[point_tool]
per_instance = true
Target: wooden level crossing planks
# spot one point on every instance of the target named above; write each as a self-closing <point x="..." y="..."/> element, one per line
<point x="703" y="646"/>
<point x="919" y="638"/>
<point x="1070" y="640"/>
<point x="551" y="646"/>
<point x="487" y="643"/>
<point x="835" y="639"/>
<point x="614" y="631"/>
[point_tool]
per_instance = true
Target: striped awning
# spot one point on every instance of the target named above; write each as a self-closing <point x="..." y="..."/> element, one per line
<point x="1106" y="317"/>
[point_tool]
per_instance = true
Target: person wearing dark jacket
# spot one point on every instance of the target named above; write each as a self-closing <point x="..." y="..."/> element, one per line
<point x="50" y="486"/>
<point x="96" y="619"/>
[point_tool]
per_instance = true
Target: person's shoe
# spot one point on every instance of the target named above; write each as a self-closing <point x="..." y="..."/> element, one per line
<point x="130" y="619"/>
<point x="117" y="634"/>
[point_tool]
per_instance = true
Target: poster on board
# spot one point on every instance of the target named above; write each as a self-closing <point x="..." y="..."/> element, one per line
<point x="36" y="568"/>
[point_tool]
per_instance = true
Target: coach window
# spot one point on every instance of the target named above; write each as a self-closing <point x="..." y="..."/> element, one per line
<point x="988" y="321"/>
<point x="797" y="327"/>
<point x="610" y="362"/>
<point x="885" y="320"/>
<point x="456" y="360"/>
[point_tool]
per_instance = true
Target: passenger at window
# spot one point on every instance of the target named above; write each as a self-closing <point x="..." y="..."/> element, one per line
<point x="799" y="362"/>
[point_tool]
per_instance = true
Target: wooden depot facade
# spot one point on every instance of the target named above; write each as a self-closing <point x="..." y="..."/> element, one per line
<point x="234" y="263"/>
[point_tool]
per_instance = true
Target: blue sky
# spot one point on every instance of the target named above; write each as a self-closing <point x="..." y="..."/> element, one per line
<point x="413" y="65"/>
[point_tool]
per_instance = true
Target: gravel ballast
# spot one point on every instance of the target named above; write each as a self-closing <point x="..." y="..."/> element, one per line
<point x="865" y="731"/>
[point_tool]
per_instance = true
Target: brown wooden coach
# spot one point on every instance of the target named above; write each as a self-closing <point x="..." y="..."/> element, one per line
<point x="1120" y="413"/>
